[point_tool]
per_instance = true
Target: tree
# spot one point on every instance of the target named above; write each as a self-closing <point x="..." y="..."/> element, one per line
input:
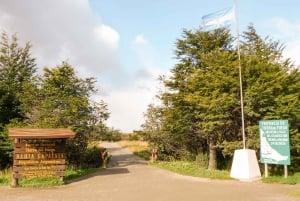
<point x="271" y="88"/>
<point x="17" y="89"/>
<point x="201" y="111"/>
<point x="65" y="103"/>
<point x="65" y="98"/>
<point x="17" y="79"/>
<point x="203" y="77"/>
<point x="99" y="114"/>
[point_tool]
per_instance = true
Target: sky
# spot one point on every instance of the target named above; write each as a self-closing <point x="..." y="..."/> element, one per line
<point x="127" y="44"/>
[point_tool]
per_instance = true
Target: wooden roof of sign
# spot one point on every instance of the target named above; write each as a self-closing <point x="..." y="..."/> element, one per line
<point x="40" y="133"/>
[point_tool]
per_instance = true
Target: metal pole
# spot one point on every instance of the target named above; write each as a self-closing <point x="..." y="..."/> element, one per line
<point x="240" y="73"/>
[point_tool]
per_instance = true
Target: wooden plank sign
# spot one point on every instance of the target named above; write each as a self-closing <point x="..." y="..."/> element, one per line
<point x="40" y="158"/>
<point x="39" y="152"/>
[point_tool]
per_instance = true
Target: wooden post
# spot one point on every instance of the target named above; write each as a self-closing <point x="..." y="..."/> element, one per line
<point x="15" y="181"/>
<point x="285" y="171"/>
<point x="266" y="170"/>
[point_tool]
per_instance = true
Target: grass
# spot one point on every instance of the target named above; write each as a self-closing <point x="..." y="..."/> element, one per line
<point x="141" y="149"/>
<point x="295" y="193"/>
<point x="291" y="179"/>
<point x="192" y="169"/>
<point x="5" y="177"/>
<point x="71" y="174"/>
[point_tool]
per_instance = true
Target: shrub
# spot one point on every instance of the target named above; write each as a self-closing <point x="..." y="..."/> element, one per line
<point x="92" y="157"/>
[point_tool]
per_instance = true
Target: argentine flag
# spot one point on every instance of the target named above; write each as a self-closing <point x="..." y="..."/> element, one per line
<point x="217" y="19"/>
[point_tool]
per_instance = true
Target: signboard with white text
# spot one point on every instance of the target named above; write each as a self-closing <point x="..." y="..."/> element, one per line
<point x="274" y="142"/>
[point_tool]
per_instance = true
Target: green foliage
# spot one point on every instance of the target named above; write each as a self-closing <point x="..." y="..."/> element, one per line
<point x="200" y="111"/>
<point x="17" y="79"/>
<point x="65" y="98"/>
<point x="291" y="179"/>
<point x="17" y="87"/>
<point x="145" y="154"/>
<point x="56" y="99"/>
<point x="111" y="134"/>
<point x="93" y="157"/>
<point x="6" y="149"/>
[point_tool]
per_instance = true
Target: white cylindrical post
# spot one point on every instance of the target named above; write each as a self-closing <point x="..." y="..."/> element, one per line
<point x="266" y="170"/>
<point x="285" y="171"/>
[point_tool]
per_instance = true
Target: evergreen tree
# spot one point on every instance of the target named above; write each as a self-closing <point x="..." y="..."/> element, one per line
<point x="65" y="103"/>
<point x="201" y="111"/>
<point x="17" y="89"/>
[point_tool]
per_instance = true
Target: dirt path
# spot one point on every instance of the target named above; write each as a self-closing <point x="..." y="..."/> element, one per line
<point x="129" y="178"/>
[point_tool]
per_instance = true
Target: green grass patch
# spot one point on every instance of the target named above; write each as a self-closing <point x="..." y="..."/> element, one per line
<point x="291" y="179"/>
<point x="143" y="154"/>
<point x="40" y="182"/>
<point x="5" y="177"/>
<point x="192" y="169"/>
<point x="77" y="173"/>
<point x="71" y="174"/>
<point x="295" y="193"/>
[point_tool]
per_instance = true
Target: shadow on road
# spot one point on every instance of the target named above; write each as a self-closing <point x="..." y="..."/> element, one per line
<point x="125" y="160"/>
<point x="121" y="158"/>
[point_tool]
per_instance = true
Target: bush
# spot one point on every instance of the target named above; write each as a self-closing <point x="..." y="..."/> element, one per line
<point x="111" y="135"/>
<point x="92" y="157"/>
<point x="6" y="149"/>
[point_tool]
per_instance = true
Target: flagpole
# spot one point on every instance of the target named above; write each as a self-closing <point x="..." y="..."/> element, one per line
<point x="240" y="73"/>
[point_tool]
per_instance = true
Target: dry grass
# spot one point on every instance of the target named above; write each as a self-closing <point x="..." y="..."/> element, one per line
<point x="139" y="148"/>
<point x="134" y="145"/>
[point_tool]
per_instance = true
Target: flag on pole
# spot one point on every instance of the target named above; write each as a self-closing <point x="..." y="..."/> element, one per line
<point x="218" y="19"/>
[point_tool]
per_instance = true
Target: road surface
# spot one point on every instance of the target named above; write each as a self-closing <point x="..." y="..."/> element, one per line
<point x="129" y="178"/>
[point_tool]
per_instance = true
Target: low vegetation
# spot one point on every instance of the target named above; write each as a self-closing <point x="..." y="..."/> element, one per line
<point x="295" y="193"/>
<point x="71" y="175"/>
<point x="192" y="169"/>
<point x="196" y="168"/>
<point x="291" y="179"/>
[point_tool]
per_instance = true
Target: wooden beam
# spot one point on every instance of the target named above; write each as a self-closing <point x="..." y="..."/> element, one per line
<point x="40" y="133"/>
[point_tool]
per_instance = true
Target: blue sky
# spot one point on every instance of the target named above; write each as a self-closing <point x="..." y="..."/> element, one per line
<point x="126" y="45"/>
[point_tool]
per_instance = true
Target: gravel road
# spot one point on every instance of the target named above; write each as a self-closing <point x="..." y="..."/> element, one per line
<point x="129" y="178"/>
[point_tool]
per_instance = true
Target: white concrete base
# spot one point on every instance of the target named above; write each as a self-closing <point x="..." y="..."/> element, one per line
<point x="245" y="165"/>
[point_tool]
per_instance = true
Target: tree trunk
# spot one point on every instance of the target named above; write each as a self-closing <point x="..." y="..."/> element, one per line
<point x="212" y="163"/>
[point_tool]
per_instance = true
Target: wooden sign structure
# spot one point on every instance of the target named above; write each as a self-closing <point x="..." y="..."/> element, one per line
<point x="39" y="152"/>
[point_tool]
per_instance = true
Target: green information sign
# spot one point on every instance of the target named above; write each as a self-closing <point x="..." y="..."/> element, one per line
<point x="274" y="142"/>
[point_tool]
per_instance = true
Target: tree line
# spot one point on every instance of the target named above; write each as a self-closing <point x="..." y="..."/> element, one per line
<point x="58" y="98"/>
<point x="198" y="114"/>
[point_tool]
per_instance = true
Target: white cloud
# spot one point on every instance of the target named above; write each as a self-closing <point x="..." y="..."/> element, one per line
<point x="68" y="30"/>
<point x="127" y="105"/>
<point x="108" y="36"/>
<point x="140" y="40"/>
<point x="63" y="30"/>
<point x="287" y="33"/>
<point x="145" y="53"/>
<point x="126" y="108"/>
